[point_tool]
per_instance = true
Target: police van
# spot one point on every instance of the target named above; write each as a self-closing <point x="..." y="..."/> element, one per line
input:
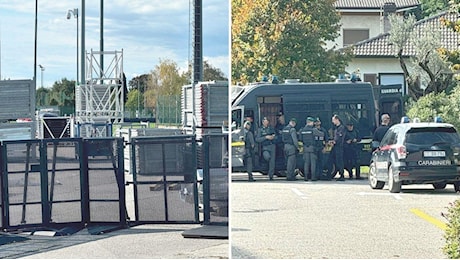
<point x="352" y="101"/>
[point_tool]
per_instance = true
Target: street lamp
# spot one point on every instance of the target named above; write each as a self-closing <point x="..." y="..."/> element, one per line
<point x="74" y="12"/>
<point x="42" y="69"/>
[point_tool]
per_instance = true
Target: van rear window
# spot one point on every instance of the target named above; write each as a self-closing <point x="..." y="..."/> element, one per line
<point x="431" y="135"/>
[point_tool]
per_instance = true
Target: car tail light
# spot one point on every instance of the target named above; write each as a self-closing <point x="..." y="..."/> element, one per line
<point x="401" y="152"/>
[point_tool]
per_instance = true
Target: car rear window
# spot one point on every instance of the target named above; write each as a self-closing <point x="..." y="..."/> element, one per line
<point x="432" y="135"/>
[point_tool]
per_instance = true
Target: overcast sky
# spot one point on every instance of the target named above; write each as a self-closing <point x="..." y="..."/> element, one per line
<point x="146" y="31"/>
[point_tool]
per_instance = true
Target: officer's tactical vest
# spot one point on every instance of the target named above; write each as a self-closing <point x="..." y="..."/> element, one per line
<point x="266" y="131"/>
<point x="247" y="144"/>
<point x="307" y="136"/>
<point x="286" y="135"/>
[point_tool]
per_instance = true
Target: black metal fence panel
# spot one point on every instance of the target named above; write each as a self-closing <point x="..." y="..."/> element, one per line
<point x="22" y="181"/>
<point x="42" y="183"/>
<point x="215" y="179"/>
<point x="52" y="183"/>
<point x="105" y="176"/>
<point x="63" y="169"/>
<point x="164" y="178"/>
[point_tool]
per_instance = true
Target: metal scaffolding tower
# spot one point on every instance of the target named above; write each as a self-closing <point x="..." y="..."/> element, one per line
<point x="99" y="101"/>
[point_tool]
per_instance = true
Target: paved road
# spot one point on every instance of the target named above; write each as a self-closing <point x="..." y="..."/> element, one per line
<point x="329" y="219"/>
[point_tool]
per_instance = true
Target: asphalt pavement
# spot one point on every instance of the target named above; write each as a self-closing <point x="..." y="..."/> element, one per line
<point x="153" y="241"/>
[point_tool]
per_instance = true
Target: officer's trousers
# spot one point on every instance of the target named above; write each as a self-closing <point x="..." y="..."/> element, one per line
<point x="268" y="152"/>
<point x="338" y="156"/>
<point x="290" y="153"/>
<point x="247" y="159"/>
<point x="351" y="160"/>
<point x="309" y="165"/>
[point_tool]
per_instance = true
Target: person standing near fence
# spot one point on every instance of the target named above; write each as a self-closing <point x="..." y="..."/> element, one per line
<point x="249" y="145"/>
<point x="310" y="137"/>
<point x="382" y="129"/>
<point x="321" y="148"/>
<point x="266" y="137"/>
<point x="351" y="151"/>
<point x="337" y="149"/>
<point x="291" y="142"/>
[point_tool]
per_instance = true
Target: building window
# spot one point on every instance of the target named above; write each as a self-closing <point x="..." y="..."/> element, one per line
<point x="352" y="36"/>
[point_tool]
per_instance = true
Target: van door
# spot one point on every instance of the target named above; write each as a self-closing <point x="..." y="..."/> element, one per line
<point x="237" y="134"/>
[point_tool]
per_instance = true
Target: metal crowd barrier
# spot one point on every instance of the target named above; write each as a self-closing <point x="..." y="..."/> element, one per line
<point x="215" y="179"/>
<point x="56" y="183"/>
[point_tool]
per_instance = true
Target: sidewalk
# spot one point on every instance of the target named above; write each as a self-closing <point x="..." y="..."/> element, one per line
<point x="143" y="241"/>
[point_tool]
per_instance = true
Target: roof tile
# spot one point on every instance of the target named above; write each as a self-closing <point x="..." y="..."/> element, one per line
<point x="379" y="46"/>
<point x="373" y="4"/>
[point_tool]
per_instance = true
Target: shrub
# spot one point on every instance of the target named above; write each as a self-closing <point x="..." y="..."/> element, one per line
<point x="452" y="233"/>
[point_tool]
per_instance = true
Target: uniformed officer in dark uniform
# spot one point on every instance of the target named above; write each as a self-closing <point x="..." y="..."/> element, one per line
<point x="321" y="161"/>
<point x="289" y="135"/>
<point x="351" y="151"/>
<point x="280" y="125"/>
<point x="337" y="150"/>
<point x="312" y="141"/>
<point x="249" y="145"/>
<point x="266" y="136"/>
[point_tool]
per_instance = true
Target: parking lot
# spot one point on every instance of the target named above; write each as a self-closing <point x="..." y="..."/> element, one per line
<point x="329" y="219"/>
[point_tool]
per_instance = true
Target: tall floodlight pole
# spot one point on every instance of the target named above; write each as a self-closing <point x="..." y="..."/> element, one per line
<point x="42" y="69"/>
<point x="75" y="15"/>
<point x="198" y="41"/>
<point x="0" y="53"/>
<point x="35" y="44"/>
<point x="102" y="38"/>
<point x="82" y="52"/>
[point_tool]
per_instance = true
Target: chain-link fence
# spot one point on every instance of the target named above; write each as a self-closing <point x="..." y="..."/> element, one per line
<point x="168" y="110"/>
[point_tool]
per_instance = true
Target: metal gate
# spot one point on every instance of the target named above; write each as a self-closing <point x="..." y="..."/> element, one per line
<point x="56" y="183"/>
<point x="164" y="179"/>
<point x="80" y="182"/>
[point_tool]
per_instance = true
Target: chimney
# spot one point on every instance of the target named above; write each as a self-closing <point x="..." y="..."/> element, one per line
<point x="388" y="8"/>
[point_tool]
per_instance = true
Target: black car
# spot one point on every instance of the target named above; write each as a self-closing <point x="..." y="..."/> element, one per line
<point x="417" y="153"/>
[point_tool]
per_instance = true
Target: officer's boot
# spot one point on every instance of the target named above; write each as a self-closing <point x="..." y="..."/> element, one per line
<point x="358" y="172"/>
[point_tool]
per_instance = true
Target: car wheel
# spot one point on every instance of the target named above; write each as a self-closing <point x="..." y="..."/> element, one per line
<point x="394" y="187"/>
<point x="439" y="185"/>
<point x="372" y="176"/>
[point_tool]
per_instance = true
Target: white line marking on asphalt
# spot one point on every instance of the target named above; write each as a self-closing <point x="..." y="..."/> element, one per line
<point x="396" y="196"/>
<point x="299" y="193"/>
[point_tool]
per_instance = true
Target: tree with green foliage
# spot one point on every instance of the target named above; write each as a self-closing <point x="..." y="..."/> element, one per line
<point x="433" y="7"/>
<point x="209" y="72"/>
<point x="427" y="65"/>
<point x="135" y="102"/>
<point x="452" y="233"/>
<point x="285" y="38"/>
<point x="447" y="106"/>
<point x="42" y="97"/>
<point x="166" y="80"/>
<point x="452" y="57"/>
<point x="61" y="94"/>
